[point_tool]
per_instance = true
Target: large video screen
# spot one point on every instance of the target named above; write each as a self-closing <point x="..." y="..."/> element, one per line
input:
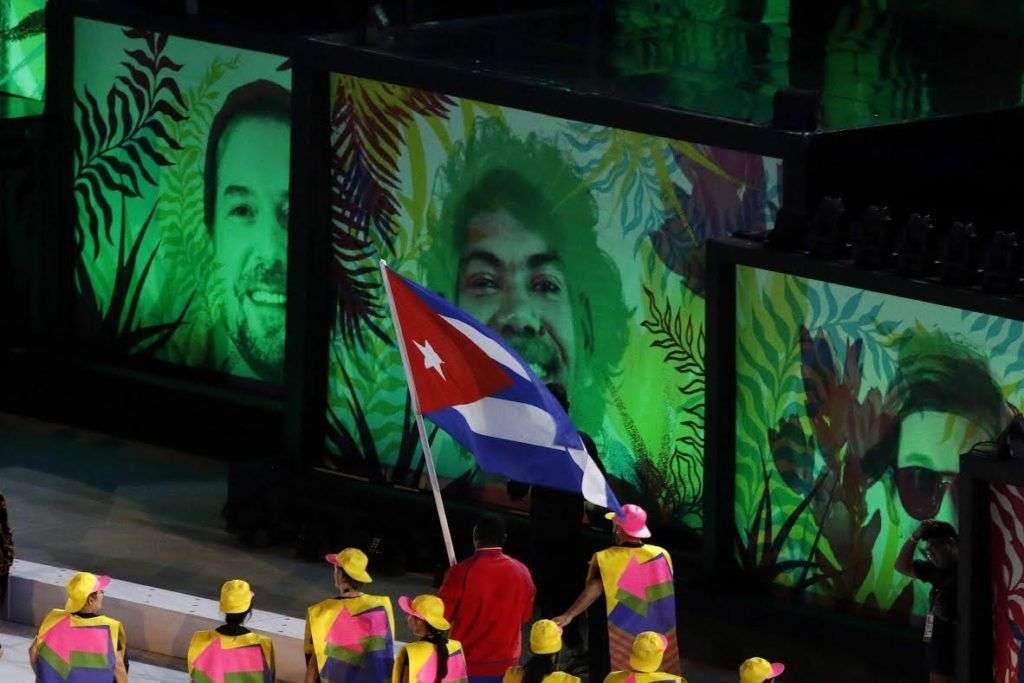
<point x="852" y="410"/>
<point x="23" y="48"/>
<point x="181" y="186"/>
<point x="581" y="244"/>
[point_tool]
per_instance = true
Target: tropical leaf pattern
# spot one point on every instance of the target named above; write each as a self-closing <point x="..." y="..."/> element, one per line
<point x="390" y="145"/>
<point x="818" y="428"/>
<point x="677" y="484"/>
<point x="117" y="329"/>
<point x="369" y="120"/>
<point x="147" y="278"/>
<point x="186" y="245"/>
<point x="118" y="141"/>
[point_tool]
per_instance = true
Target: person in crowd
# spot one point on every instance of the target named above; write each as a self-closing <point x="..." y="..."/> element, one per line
<point x="433" y="657"/>
<point x="759" y="670"/>
<point x="939" y="568"/>
<point x="79" y="642"/>
<point x="645" y="659"/>
<point x="556" y="521"/>
<point x="637" y="581"/>
<point x="231" y="647"/>
<point x="543" y="665"/>
<point x="6" y="555"/>
<point x="350" y="637"/>
<point x="488" y="599"/>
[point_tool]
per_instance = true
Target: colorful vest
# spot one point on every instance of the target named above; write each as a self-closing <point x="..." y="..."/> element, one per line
<point x="639" y="596"/>
<point x="419" y="661"/>
<point x="515" y="675"/>
<point x="640" y="677"/>
<point x="216" y="658"/>
<point x="73" y="649"/>
<point x="352" y="639"/>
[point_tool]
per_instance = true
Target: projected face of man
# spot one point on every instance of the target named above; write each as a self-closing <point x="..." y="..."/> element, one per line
<point x="928" y="463"/>
<point x="251" y="240"/>
<point x="511" y="279"/>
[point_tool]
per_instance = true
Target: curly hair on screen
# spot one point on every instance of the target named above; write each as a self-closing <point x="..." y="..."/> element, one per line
<point x="539" y="185"/>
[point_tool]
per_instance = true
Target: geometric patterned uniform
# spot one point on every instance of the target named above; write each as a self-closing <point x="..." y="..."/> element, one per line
<point x="352" y="639"/>
<point x="74" y="649"/>
<point x="639" y="596"/>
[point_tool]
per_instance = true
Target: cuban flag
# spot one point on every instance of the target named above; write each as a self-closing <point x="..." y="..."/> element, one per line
<point x="469" y="382"/>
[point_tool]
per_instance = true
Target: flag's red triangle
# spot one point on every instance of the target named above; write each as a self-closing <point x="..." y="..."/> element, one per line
<point x="447" y="367"/>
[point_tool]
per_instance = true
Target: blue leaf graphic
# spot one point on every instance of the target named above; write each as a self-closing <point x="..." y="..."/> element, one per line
<point x="832" y="305"/>
<point x="996" y="328"/>
<point x="1014" y="332"/>
<point x="851" y="305"/>
<point x="980" y="323"/>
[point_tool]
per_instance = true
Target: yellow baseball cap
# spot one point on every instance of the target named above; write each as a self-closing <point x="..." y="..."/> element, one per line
<point x="545" y="637"/>
<point x="81" y="586"/>
<point x="235" y="597"/>
<point x="429" y="608"/>
<point x="648" y="648"/>
<point x="759" y="670"/>
<point x="354" y="561"/>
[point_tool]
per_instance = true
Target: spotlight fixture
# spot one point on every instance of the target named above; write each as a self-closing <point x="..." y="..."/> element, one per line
<point x="827" y="235"/>
<point x="999" y="274"/>
<point x="959" y="259"/>
<point x="913" y="256"/>
<point x="873" y="238"/>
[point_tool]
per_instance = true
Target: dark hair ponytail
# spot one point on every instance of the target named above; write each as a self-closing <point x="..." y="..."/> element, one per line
<point x="539" y="666"/>
<point x="440" y="641"/>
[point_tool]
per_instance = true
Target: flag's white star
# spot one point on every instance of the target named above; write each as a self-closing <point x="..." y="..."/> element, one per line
<point x="431" y="361"/>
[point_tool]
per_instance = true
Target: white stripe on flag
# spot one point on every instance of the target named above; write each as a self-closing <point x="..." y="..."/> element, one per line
<point x="500" y="418"/>
<point x="492" y="348"/>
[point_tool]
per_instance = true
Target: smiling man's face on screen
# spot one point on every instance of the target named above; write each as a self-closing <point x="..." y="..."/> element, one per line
<point x="246" y="186"/>
<point x="251" y="241"/>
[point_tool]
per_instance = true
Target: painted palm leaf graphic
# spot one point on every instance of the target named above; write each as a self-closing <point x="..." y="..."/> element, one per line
<point x="677" y="484"/>
<point x="369" y="120"/>
<point x="117" y="329"/>
<point x="118" y="143"/>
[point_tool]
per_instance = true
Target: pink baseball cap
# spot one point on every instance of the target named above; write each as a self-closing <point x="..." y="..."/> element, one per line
<point x="633" y="520"/>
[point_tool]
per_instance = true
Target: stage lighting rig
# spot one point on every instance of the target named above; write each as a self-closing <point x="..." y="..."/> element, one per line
<point x="959" y="255"/>
<point x="828" y="230"/>
<point x="914" y="251"/>
<point x="999" y="273"/>
<point x="873" y="238"/>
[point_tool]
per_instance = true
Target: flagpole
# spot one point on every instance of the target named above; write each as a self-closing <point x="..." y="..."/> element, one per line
<point x="428" y="458"/>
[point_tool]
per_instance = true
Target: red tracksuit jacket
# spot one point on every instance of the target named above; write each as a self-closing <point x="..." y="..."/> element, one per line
<point x="488" y="598"/>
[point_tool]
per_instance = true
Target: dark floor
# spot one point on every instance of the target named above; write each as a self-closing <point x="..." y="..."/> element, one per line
<point x="151" y="515"/>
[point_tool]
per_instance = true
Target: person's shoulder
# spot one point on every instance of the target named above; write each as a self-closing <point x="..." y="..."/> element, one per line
<point x="656" y="549"/>
<point x="453" y="646"/>
<point x="202" y="637"/>
<point x="378" y="600"/>
<point x="925" y="571"/>
<point x="561" y="677"/>
<point x="616" y="677"/>
<point x="324" y="604"/>
<point x="514" y="674"/>
<point x="516" y="564"/>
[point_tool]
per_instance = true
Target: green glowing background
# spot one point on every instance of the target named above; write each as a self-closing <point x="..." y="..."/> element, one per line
<point x="426" y="180"/>
<point x="22" y="48"/>
<point x="849" y="404"/>
<point x="182" y="247"/>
